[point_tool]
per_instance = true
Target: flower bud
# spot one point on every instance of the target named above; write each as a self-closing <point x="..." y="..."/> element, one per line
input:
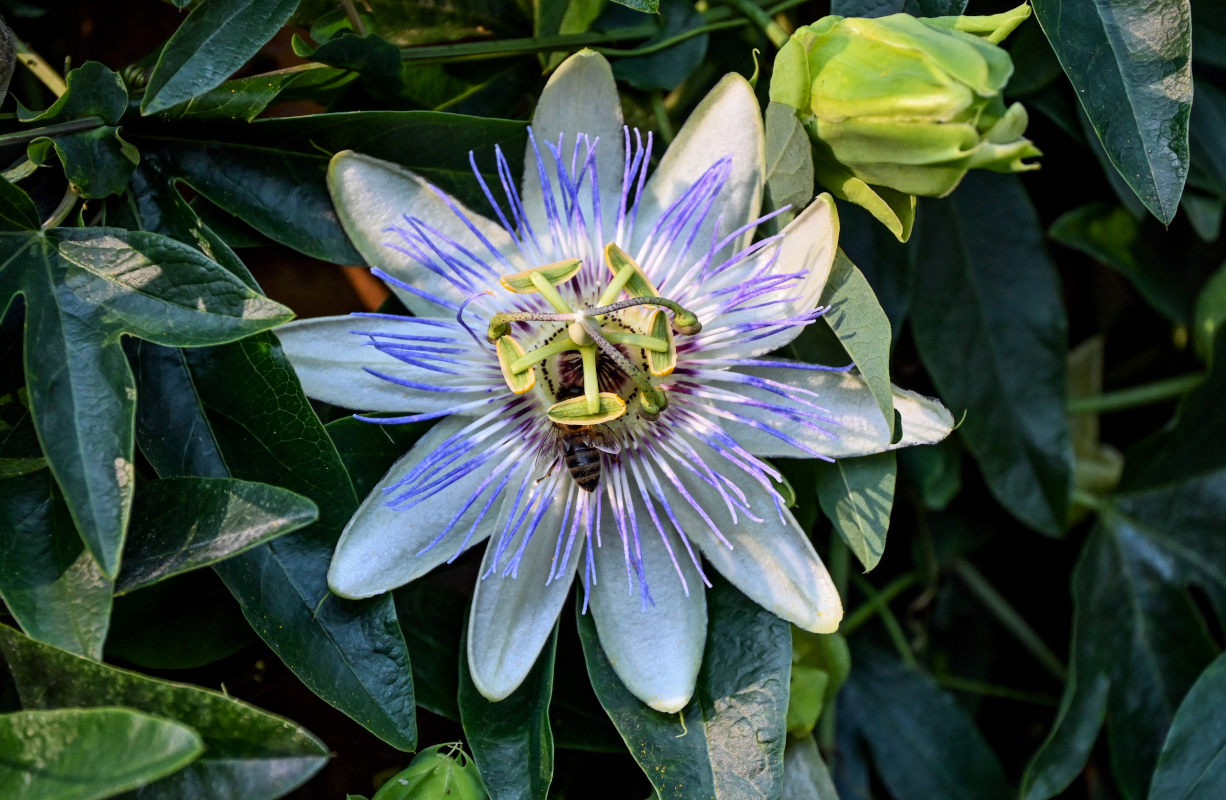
<point x="900" y="106"/>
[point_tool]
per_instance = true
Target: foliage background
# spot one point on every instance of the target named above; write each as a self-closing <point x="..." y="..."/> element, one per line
<point x="1047" y="620"/>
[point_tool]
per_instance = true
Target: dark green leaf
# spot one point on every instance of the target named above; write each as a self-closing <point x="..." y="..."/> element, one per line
<point x="350" y="653"/>
<point x="1207" y="128"/>
<point x="85" y="287"/>
<point x="1067" y="748"/>
<point x="409" y="22"/>
<point x="1192" y="765"/>
<point x="274" y="178"/>
<point x="17" y="212"/>
<point x="93" y="91"/>
<point x="181" y="524"/>
<point x="216" y="39"/>
<point x="880" y="8"/>
<point x="248" y="753"/>
<point x="1136" y="89"/>
<point x="989" y="323"/>
<point x="89" y="753"/>
<point x="789" y="159"/>
<point x="882" y="259"/>
<point x="376" y="59"/>
<point x="206" y="625"/>
<point x="50" y="584"/>
<point x="1209" y="316"/>
<point x="856" y="494"/>
<point x="672" y="65"/>
<point x="1137" y="249"/>
<point x="511" y="739"/>
<point x="245" y="98"/>
<point x="935" y="470"/>
<point x="805" y="776"/>
<point x="858" y="320"/>
<point x="369" y="450"/>
<point x="646" y="6"/>
<point x="922" y="742"/>
<point x="728" y="740"/>
<point x="97" y="162"/>
<point x="432" y="618"/>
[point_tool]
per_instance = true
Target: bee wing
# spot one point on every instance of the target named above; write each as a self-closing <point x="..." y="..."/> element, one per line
<point x="603" y="439"/>
<point x="546" y="459"/>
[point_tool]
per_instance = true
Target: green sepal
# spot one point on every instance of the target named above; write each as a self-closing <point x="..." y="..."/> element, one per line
<point x="556" y="273"/>
<point x="638" y="285"/>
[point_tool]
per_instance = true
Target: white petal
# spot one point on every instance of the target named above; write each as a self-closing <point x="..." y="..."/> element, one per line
<point x="580" y="97"/>
<point x="656" y="650"/>
<point x="372" y="196"/>
<point x="855" y="426"/>
<point x="808" y="245"/>
<point x="727" y="123"/>
<point x="772" y="561"/>
<point x="382" y="547"/>
<point x="513" y="615"/>
<point x="333" y="363"/>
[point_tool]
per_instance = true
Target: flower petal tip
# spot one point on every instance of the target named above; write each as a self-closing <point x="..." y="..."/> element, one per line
<point x="669" y="705"/>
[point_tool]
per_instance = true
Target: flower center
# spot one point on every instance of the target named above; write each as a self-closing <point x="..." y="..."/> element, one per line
<point x="590" y="332"/>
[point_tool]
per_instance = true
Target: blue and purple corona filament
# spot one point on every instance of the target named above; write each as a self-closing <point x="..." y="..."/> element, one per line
<point x="600" y="294"/>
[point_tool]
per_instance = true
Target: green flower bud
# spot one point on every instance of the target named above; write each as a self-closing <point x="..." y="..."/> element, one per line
<point x="440" y="771"/>
<point x="899" y="106"/>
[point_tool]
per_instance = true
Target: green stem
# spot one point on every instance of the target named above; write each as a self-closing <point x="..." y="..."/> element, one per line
<point x="1083" y="498"/>
<point x="891" y="623"/>
<point x="57" y="129"/>
<point x="762" y="19"/>
<point x="979" y="687"/>
<point x="499" y="48"/>
<point x="873" y="606"/>
<point x="355" y="19"/>
<point x="1135" y="396"/>
<point x="1007" y="616"/>
<point x="67" y="202"/>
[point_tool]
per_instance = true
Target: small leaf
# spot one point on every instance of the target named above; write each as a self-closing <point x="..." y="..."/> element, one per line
<point x="511" y="740"/>
<point x="728" y="741"/>
<point x="93" y="90"/>
<point x="248" y="753"/>
<point x="181" y="524"/>
<point x="17" y="212"/>
<point x="216" y="39"/>
<point x="789" y="159"/>
<point x="1067" y="748"/>
<point x="858" y="320"/>
<point x="989" y="324"/>
<point x="856" y="494"/>
<point x="1136" y="90"/>
<point x="89" y="753"/>
<point x="805" y="776"/>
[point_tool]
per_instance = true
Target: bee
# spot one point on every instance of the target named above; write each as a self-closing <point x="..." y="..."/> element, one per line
<point x="579" y="446"/>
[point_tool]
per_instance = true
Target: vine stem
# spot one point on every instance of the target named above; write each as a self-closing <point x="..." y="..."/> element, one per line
<point x="58" y="129"/>
<point x="762" y="18"/>
<point x="873" y="606"/>
<point x="1008" y="616"/>
<point x="41" y="69"/>
<point x="892" y="626"/>
<point x="1136" y="396"/>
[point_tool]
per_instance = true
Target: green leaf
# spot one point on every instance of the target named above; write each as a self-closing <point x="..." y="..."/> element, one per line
<point x="666" y="68"/>
<point x="207" y="624"/>
<point x="216" y="39"/>
<point x="432" y="618"/>
<point x="923" y="743"/>
<point x="856" y="494"/>
<point x="936" y="471"/>
<point x="511" y="739"/>
<point x="98" y="162"/>
<point x="858" y="320"/>
<point x="989" y="324"/>
<point x="805" y="776"/>
<point x="89" y="753"/>
<point x="271" y="174"/>
<point x="728" y="740"/>
<point x="1192" y="764"/>
<point x="1207" y="128"/>
<point x="646" y="6"/>
<point x="48" y="581"/>
<point x="1136" y="90"/>
<point x="84" y="287"/>
<point x="181" y="524"/>
<point x="1067" y="748"/>
<point x="245" y="98"/>
<point x="789" y="159"/>
<point x="1136" y="249"/>
<point x="248" y="753"/>
<point x="17" y="211"/>
<point x="880" y="8"/>
<point x="1209" y="315"/>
